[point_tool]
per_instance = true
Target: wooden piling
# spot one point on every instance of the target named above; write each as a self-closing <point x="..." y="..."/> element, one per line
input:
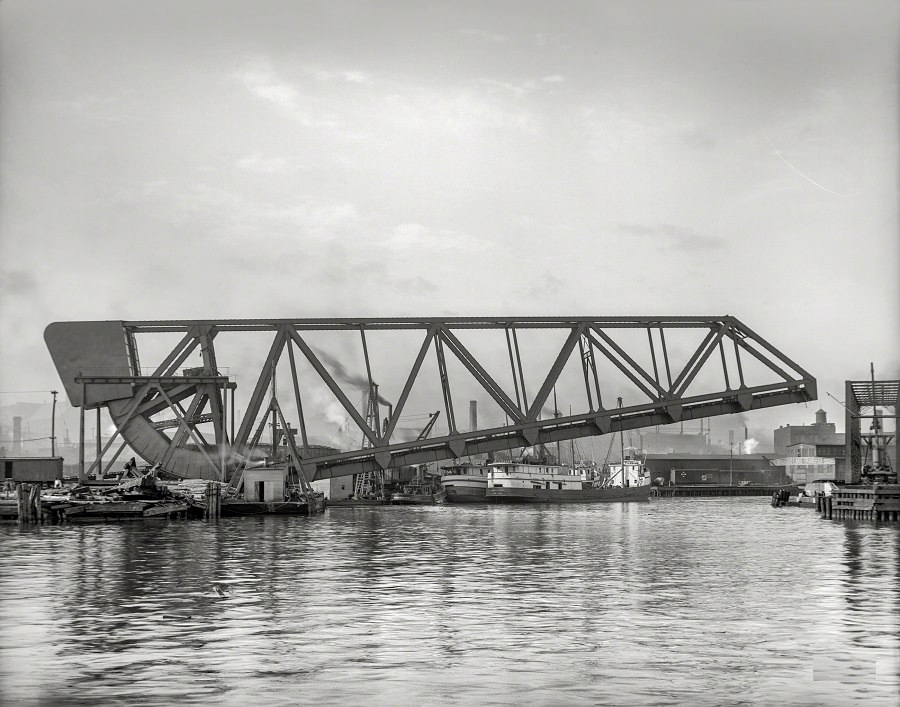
<point x="213" y="497"/>
<point x="879" y="502"/>
<point x="20" y="502"/>
<point x="36" y="503"/>
<point x="28" y="503"/>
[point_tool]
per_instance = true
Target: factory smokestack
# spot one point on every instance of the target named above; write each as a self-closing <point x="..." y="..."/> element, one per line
<point x="473" y="415"/>
<point x="17" y="436"/>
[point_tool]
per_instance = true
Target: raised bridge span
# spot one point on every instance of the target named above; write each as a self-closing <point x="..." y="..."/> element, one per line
<point x="537" y="380"/>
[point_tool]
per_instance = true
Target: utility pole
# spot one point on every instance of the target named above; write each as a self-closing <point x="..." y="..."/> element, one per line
<point x="731" y="457"/>
<point x="53" y="426"/>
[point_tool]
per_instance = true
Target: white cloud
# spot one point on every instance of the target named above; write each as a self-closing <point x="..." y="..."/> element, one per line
<point x="522" y="88"/>
<point x="676" y="236"/>
<point x="414" y="238"/>
<point x="257" y="162"/>
<point x="493" y="37"/>
<point x="344" y="75"/>
<point x="223" y="216"/>
<point x="261" y="79"/>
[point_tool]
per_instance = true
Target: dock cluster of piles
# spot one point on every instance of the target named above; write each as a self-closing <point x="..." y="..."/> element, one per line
<point x="878" y="502"/>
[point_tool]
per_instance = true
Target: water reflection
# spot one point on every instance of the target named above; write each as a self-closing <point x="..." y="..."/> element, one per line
<point x="683" y="601"/>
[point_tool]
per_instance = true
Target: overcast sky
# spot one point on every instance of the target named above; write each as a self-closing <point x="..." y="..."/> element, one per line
<point x="216" y="158"/>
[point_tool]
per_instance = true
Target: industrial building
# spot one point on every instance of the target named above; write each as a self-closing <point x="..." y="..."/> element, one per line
<point x="819" y="440"/>
<point x="805" y="447"/>
<point x="32" y="470"/>
<point x="718" y="469"/>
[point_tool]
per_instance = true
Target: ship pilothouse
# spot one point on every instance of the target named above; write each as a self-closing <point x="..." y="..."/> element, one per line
<point x="631" y="471"/>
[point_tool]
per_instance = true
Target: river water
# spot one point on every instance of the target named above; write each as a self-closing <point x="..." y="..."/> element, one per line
<point x="678" y="601"/>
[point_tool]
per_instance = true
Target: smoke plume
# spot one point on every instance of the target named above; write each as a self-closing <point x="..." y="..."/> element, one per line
<point x="357" y="381"/>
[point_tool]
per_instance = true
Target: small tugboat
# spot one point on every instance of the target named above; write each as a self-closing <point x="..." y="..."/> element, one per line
<point x="419" y="492"/>
<point x="631" y="471"/>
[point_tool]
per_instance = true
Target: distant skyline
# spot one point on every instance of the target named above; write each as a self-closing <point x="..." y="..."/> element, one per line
<point x="224" y="159"/>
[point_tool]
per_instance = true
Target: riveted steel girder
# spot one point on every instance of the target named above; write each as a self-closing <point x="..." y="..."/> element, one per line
<point x="662" y="393"/>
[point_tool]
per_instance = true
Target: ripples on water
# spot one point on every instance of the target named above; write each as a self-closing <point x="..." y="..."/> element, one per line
<point x="682" y="601"/>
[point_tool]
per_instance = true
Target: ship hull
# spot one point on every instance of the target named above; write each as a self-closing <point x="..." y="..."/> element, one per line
<point x="464" y="488"/>
<point x="417" y="499"/>
<point x="588" y="495"/>
<point x="235" y="507"/>
<point x="466" y="495"/>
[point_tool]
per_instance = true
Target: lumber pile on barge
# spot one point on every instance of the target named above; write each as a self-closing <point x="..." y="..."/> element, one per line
<point x="131" y="499"/>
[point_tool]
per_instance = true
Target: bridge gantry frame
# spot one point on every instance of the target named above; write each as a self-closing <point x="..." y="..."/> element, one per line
<point x="99" y="366"/>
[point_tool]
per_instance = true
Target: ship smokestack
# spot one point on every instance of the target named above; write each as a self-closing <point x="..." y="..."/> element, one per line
<point x="473" y="415"/>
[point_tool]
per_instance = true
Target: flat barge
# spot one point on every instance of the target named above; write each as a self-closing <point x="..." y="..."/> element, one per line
<point x="709" y="490"/>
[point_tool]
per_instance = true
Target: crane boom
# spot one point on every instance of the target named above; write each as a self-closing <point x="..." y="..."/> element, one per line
<point x="427" y="429"/>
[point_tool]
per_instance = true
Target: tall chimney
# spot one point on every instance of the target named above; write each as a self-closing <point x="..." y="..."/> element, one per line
<point x="17" y="436"/>
<point x="473" y="415"/>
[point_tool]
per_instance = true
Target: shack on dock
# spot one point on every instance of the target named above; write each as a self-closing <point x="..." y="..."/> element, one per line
<point x="32" y="470"/>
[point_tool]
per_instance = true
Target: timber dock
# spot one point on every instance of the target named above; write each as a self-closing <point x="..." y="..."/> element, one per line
<point x="879" y="502"/>
<point x="709" y="490"/>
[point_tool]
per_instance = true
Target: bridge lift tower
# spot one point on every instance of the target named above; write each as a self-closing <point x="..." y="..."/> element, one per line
<point x="868" y="452"/>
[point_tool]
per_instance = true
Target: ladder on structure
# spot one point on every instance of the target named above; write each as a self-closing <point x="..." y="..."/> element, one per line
<point x="369" y="483"/>
<point x="366" y="485"/>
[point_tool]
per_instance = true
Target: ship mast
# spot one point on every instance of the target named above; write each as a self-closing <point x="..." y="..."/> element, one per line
<point x="556" y="414"/>
<point x="621" y="444"/>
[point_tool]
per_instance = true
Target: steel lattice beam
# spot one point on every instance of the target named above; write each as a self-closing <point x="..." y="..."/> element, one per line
<point x="663" y="393"/>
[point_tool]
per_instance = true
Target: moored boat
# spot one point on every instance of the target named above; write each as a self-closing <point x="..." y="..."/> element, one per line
<point x="418" y="494"/>
<point x="465" y="483"/>
<point x="522" y="482"/>
<point x="303" y="504"/>
<point x="354" y="502"/>
<point x="421" y="491"/>
<point x="630" y="471"/>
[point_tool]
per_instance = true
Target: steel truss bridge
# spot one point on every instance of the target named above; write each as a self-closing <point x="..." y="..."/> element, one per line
<point x="629" y="372"/>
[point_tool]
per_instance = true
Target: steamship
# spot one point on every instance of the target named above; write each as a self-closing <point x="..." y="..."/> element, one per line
<point x="524" y="482"/>
<point x="465" y="483"/>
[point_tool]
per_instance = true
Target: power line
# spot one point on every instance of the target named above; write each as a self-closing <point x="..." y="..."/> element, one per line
<point x="22" y="392"/>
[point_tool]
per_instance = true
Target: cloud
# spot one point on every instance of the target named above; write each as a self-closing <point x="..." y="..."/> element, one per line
<point x="344" y="75"/>
<point x="417" y="284"/>
<point x="18" y="283"/>
<point x="548" y="284"/>
<point x="261" y="164"/>
<point x="263" y="81"/>
<point x="414" y="237"/>
<point x="226" y="216"/>
<point x="492" y="37"/>
<point x="676" y="236"/>
<point x="517" y="89"/>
